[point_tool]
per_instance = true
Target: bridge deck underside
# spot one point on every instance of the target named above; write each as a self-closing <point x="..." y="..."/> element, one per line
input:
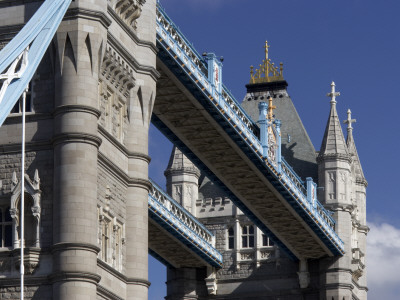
<point x="163" y="244"/>
<point x="193" y="125"/>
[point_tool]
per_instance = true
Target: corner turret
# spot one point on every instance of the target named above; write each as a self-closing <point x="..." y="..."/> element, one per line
<point x="333" y="143"/>
<point x="182" y="180"/>
<point x="336" y="178"/>
<point x="359" y="222"/>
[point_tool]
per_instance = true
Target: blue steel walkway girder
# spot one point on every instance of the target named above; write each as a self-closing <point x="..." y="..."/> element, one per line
<point x="176" y="237"/>
<point x="308" y="229"/>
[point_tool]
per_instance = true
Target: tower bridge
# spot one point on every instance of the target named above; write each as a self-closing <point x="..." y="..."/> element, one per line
<point x="196" y="111"/>
<point x="112" y="68"/>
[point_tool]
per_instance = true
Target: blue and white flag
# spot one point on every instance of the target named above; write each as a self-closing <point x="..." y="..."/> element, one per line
<point x="22" y="55"/>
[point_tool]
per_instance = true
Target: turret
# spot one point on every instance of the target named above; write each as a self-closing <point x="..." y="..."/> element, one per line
<point x="182" y="180"/>
<point x="334" y="159"/>
<point x="334" y="175"/>
<point x="359" y="223"/>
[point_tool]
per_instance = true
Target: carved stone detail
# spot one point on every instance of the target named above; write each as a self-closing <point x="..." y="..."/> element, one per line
<point x="117" y="72"/>
<point x="128" y="10"/>
<point x="32" y="187"/>
<point x="31" y="259"/>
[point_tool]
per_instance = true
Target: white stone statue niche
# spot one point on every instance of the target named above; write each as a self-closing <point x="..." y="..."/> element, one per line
<point x="32" y="212"/>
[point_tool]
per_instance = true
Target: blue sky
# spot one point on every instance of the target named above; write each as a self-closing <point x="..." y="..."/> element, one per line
<point x="354" y="43"/>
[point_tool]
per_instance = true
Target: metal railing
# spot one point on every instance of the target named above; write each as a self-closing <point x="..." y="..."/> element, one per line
<point x="183" y="222"/>
<point x="174" y="42"/>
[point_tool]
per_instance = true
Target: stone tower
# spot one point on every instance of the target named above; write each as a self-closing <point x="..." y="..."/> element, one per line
<point x="75" y="153"/>
<point x="338" y="170"/>
<point x="254" y="267"/>
<point x="87" y="154"/>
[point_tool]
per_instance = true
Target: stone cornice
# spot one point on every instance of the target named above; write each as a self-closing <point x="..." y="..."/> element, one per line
<point x="186" y="170"/>
<point x="77" y="108"/>
<point x="138" y="281"/>
<point x="112" y="168"/>
<point x="30" y="117"/>
<point x="120" y="276"/>
<point x="335" y="270"/>
<point x="339" y="207"/>
<point x="29" y="281"/>
<point x="75" y="246"/>
<point x="88" y="14"/>
<point x="129" y="181"/>
<point x="107" y="294"/>
<point x="74" y="137"/>
<point x="75" y="276"/>
<point x="125" y="54"/>
<point x="333" y="156"/>
<point x="122" y="148"/>
<point x="29" y="146"/>
<point x="359" y="286"/>
<point x="334" y="286"/>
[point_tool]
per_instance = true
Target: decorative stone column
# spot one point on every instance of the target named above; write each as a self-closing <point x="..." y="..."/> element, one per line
<point x="79" y="42"/>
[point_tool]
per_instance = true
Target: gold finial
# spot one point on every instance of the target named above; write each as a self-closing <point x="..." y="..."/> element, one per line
<point x="267" y="71"/>
<point x="266" y="50"/>
<point x="270" y="109"/>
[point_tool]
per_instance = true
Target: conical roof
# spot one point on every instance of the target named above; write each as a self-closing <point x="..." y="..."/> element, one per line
<point x="179" y="162"/>
<point x="358" y="172"/>
<point x="333" y="142"/>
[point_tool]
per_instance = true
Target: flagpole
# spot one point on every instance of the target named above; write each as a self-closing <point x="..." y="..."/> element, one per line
<point x="22" y="269"/>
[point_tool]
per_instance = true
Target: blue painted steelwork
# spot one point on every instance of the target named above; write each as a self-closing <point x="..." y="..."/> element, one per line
<point x="183" y="225"/>
<point x="182" y="59"/>
<point x="27" y="49"/>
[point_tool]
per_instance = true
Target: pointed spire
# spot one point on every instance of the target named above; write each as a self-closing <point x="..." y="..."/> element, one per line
<point x="333" y="142"/>
<point x="358" y="172"/>
<point x="179" y="162"/>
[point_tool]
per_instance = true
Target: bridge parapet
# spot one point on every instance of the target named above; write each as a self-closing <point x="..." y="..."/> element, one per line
<point x="189" y="60"/>
<point x="197" y="68"/>
<point x="176" y="219"/>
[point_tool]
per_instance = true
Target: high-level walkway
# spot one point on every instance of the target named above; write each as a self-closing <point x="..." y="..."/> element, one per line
<point x="176" y="237"/>
<point x="197" y="113"/>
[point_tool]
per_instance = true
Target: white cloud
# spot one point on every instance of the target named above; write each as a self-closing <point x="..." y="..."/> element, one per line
<point x="383" y="261"/>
